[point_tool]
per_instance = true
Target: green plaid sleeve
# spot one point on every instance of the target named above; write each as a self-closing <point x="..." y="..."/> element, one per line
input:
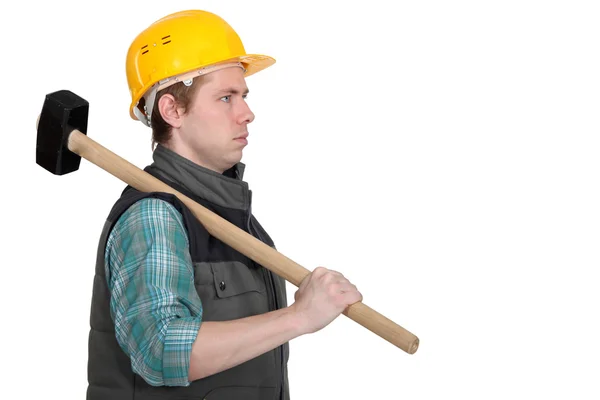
<point x="154" y="303"/>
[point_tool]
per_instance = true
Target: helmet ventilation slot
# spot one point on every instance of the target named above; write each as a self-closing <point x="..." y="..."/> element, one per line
<point x="166" y="40"/>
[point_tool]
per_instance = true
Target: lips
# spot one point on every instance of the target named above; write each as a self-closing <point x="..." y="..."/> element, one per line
<point x="242" y="139"/>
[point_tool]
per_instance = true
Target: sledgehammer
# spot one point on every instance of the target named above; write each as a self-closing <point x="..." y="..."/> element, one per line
<point x="62" y="141"/>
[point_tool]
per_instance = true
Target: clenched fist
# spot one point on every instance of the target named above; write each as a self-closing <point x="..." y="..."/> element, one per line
<point x="322" y="296"/>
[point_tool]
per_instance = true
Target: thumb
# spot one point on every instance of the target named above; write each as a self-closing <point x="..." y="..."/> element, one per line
<point x="303" y="284"/>
<point x="305" y="281"/>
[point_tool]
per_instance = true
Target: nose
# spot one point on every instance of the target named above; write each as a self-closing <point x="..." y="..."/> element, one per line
<point x="245" y="115"/>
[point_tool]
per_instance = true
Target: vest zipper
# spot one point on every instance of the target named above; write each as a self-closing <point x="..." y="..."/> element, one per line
<point x="271" y="294"/>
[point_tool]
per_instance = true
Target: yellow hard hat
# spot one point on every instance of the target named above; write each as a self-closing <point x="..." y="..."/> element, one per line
<point x="178" y="47"/>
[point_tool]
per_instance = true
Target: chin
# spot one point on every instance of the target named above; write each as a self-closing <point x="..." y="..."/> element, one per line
<point x="236" y="158"/>
<point x="232" y="162"/>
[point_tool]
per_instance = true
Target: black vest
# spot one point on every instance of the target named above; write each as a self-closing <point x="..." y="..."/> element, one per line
<point x="230" y="285"/>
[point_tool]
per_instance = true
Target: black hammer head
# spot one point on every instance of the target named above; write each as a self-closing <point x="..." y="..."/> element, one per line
<point x="63" y="111"/>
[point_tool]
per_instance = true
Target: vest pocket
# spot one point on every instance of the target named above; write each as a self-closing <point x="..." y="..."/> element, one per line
<point x="233" y="278"/>
<point x="230" y="290"/>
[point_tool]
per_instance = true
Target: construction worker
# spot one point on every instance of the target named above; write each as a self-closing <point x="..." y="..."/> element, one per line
<point x="176" y="313"/>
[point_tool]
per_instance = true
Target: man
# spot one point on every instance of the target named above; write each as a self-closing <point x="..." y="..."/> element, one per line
<point x="176" y="313"/>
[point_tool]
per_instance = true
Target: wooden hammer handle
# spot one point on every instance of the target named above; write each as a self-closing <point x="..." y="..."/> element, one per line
<point x="236" y="238"/>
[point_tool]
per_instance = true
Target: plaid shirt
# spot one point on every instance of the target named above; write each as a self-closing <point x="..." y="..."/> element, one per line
<point x="154" y="303"/>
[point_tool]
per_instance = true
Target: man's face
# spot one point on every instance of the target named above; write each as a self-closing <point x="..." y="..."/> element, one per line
<point x="214" y="130"/>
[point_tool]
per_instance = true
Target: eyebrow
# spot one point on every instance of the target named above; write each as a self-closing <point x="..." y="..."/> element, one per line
<point x="233" y="91"/>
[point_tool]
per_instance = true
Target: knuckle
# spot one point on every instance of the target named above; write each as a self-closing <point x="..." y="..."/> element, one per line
<point x="333" y="289"/>
<point x="336" y="273"/>
<point x="326" y="277"/>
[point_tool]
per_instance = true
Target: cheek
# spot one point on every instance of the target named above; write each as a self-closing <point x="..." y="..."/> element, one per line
<point x="219" y="121"/>
<point x="213" y="124"/>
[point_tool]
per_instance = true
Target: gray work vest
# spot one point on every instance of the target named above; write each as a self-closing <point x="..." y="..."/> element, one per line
<point x="230" y="285"/>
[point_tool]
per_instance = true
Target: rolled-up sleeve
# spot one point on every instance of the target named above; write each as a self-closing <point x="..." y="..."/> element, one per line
<point x="154" y="304"/>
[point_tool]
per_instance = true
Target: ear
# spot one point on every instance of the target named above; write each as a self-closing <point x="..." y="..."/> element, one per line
<point x="170" y="110"/>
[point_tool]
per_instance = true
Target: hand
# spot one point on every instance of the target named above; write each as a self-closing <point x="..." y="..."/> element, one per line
<point x="321" y="298"/>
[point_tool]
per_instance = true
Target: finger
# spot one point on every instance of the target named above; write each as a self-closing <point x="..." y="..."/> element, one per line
<point x="336" y="273"/>
<point x="319" y="271"/>
<point x="332" y="277"/>
<point x="305" y="281"/>
<point x="342" y="281"/>
<point x="345" y="287"/>
<point x="351" y="297"/>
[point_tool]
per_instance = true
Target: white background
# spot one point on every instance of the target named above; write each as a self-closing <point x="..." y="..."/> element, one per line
<point x="442" y="155"/>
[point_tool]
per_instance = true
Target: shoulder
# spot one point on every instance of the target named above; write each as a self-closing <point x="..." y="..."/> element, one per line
<point x="149" y="208"/>
<point x="150" y="217"/>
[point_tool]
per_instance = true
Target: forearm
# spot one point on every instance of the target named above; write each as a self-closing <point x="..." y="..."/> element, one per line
<point x="223" y="345"/>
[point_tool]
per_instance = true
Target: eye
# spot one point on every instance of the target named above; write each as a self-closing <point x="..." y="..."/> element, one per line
<point x="226" y="99"/>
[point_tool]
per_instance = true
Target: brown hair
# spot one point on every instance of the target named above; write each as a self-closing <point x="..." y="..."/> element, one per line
<point x="161" y="130"/>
